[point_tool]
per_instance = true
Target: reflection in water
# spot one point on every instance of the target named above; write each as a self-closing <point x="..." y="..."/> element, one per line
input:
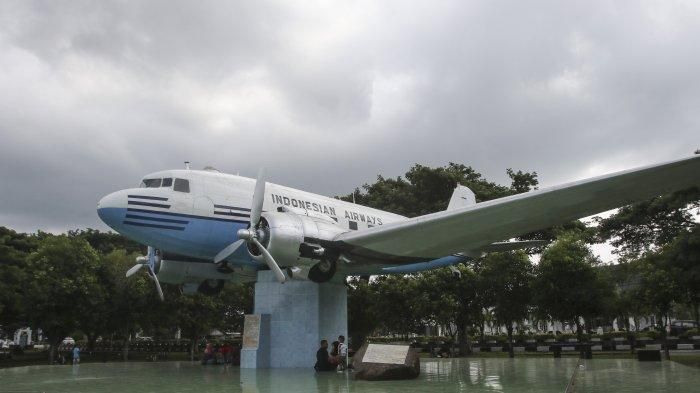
<point x="467" y="375"/>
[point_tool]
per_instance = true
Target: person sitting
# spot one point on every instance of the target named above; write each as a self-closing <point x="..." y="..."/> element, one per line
<point x="208" y="353"/>
<point x="322" y="358"/>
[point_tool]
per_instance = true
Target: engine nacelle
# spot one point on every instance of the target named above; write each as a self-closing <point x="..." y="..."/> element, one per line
<point x="293" y="239"/>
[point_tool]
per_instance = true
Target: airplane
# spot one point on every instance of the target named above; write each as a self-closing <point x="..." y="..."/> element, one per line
<point x="203" y="228"/>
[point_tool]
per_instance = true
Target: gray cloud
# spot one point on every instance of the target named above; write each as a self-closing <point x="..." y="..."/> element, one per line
<point x="96" y="94"/>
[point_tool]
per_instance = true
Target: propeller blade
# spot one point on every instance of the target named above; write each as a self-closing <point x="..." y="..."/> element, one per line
<point x="158" y="288"/>
<point x="134" y="269"/>
<point x="230" y="249"/>
<point x="270" y="261"/>
<point x="151" y="258"/>
<point x="258" y="198"/>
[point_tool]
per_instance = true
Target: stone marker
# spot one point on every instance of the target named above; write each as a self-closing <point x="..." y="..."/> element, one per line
<point x="685" y="346"/>
<point x="543" y="348"/>
<point x="696" y="337"/>
<point x="596" y="348"/>
<point x="596" y="339"/>
<point x="476" y="349"/>
<point x="379" y="362"/>
<point x="572" y="340"/>
<point x="655" y="347"/>
<point x="496" y="349"/>
<point x="619" y="339"/>
<point x="622" y="347"/>
<point x="568" y="348"/>
<point x="518" y="349"/>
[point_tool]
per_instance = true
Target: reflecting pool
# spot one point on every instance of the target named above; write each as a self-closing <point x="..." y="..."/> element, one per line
<point x="469" y="375"/>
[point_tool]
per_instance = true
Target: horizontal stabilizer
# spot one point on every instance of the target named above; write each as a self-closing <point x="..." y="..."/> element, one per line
<point x="461" y="197"/>
<point x="510" y="246"/>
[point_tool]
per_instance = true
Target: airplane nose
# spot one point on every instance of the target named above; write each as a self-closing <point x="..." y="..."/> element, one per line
<point x="109" y="208"/>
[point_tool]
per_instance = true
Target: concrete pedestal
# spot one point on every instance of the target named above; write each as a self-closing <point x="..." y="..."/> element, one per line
<point x="301" y="313"/>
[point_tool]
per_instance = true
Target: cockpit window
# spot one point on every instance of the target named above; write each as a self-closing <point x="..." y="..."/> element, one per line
<point x="167" y="182"/>
<point x="182" y="185"/>
<point x="150" y="183"/>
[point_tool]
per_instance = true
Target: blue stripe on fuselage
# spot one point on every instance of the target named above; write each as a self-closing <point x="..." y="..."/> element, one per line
<point x="202" y="237"/>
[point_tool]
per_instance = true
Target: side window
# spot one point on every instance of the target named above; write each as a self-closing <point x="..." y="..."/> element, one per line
<point x="353" y="225"/>
<point x="182" y="185"/>
<point x="167" y="182"/>
<point x="150" y="183"/>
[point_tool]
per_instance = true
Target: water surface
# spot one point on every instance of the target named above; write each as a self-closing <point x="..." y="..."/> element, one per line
<point x="468" y="375"/>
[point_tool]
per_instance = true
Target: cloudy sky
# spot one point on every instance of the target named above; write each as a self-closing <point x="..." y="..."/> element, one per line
<point x="327" y="95"/>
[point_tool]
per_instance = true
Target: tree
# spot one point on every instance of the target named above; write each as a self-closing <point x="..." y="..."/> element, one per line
<point x="362" y="320"/>
<point x="455" y="300"/>
<point x="196" y="315"/>
<point x="426" y="190"/>
<point x="645" y="226"/>
<point x="236" y="301"/>
<point x="684" y="255"/>
<point x="131" y="301"/>
<point x="63" y="281"/>
<point x="658" y="288"/>
<point x="14" y="248"/>
<point x="106" y="242"/>
<point x="396" y="305"/>
<point x="508" y="278"/>
<point x="566" y="287"/>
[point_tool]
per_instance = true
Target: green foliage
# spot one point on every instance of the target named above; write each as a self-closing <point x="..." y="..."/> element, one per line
<point x="65" y="286"/>
<point x="644" y="226"/>
<point x="426" y="190"/>
<point x="508" y="277"/>
<point x="447" y="300"/>
<point x="683" y="256"/>
<point x="568" y="287"/>
<point x="396" y="304"/>
<point x="542" y="337"/>
<point x="63" y="283"/>
<point x="362" y="320"/>
<point x="106" y="242"/>
<point x="688" y="334"/>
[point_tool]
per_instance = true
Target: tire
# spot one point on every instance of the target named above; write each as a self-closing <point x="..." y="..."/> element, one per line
<point x="210" y="289"/>
<point x="320" y="274"/>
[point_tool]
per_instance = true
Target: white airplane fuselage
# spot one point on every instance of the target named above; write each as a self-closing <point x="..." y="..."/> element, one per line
<point x="200" y="220"/>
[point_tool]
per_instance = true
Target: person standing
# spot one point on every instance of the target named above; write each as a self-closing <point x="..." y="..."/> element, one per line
<point x="342" y="352"/>
<point x="76" y="354"/>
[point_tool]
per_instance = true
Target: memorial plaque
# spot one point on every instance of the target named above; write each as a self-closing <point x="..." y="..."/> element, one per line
<point x="251" y="331"/>
<point x="387" y="354"/>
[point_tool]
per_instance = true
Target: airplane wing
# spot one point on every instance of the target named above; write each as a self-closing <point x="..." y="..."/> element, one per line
<point x="475" y="227"/>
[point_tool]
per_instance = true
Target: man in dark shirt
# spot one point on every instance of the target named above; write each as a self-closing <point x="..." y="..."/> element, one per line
<point x="322" y="363"/>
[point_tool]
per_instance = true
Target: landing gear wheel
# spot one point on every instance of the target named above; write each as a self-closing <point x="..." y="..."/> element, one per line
<point x="322" y="271"/>
<point x="211" y="287"/>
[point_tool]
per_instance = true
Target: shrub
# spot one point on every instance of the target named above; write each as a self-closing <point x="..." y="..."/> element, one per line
<point x="522" y="337"/>
<point x="688" y="334"/>
<point x="499" y="338"/>
<point x="541" y="337"/>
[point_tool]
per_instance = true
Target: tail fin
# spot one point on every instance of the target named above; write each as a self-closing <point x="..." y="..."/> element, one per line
<point x="461" y="197"/>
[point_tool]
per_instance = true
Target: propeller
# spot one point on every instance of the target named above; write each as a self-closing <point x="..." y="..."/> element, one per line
<point x="254" y="232"/>
<point x="150" y="262"/>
